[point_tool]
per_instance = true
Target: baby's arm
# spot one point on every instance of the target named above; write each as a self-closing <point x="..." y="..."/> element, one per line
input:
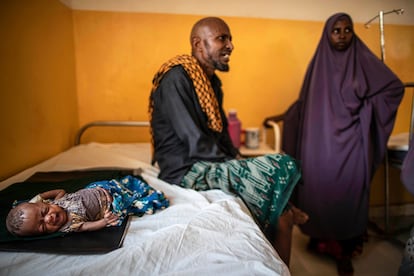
<point x="110" y="219"/>
<point x="53" y="194"/>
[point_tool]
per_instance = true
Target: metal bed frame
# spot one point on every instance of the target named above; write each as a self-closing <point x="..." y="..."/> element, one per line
<point x="82" y="130"/>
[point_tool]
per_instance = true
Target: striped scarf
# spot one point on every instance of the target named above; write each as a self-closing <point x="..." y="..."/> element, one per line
<point x="205" y="93"/>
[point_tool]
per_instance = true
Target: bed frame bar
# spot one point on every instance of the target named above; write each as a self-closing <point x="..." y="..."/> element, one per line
<point x="108" y="123"/>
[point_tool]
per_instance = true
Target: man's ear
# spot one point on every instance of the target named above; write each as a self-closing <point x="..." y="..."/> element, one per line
<point x="196" y="43"/>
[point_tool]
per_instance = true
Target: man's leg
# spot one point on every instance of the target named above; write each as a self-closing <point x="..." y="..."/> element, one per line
<point x="282" y="236"/>
<point x="282" y="240"/>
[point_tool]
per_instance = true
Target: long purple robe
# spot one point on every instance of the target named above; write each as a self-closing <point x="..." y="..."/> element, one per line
<point x="338" y="129"/>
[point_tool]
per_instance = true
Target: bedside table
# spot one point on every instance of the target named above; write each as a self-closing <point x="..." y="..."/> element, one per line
<point x="261" y="150"/>
<point x="264" y="148"/>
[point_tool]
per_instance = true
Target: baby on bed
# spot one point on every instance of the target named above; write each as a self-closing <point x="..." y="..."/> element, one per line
<point x="98" y="205"/>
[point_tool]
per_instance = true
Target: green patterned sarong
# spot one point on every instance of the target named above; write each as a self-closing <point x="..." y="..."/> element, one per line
<point x="264" y="183"/>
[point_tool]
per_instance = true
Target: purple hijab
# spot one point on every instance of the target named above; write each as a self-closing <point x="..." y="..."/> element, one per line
<point x="338" y="129"/>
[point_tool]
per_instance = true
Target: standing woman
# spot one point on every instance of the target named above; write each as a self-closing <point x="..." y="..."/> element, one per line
<point x="339" y="129"/>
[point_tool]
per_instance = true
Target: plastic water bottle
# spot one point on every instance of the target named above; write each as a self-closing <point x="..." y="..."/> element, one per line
<point x="234" y="127"/>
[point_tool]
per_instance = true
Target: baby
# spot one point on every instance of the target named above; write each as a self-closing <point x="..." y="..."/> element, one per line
<point x="98" y="205"/>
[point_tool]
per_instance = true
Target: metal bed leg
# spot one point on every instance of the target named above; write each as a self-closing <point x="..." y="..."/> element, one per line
<point x="386" y="195"/>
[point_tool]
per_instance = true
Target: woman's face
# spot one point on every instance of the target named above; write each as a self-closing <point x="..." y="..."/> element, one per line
<point x="341" y="34"/>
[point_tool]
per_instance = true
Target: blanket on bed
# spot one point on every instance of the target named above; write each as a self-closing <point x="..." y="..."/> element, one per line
<point x="101" y="241"/>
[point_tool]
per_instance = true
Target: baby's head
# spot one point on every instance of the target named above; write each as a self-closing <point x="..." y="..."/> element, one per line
<point x="34" y="219"/>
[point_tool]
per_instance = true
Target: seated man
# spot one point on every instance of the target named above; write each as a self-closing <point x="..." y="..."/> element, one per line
<point x="191" y="142"/>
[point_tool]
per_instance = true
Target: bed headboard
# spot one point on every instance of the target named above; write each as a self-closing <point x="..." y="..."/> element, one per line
<point x="108" y="123"/>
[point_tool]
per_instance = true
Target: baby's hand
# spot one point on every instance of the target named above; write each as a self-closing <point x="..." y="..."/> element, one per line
<point x="110" y="218"/>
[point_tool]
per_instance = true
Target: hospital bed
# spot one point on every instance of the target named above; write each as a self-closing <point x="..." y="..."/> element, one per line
<point x="200" y="233"/>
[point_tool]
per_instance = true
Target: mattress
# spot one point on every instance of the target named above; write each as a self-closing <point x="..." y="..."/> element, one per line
<point x="201" y="233"/>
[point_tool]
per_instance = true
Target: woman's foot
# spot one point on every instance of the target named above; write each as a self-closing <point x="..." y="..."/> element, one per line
<point x="331" y="248"/>
<point x="335" y="250"/>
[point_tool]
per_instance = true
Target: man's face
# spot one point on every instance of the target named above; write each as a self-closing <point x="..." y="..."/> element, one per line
<point x="216" y="41"/>
<point x="41" y="218"/>
<point x="341" y="34"/>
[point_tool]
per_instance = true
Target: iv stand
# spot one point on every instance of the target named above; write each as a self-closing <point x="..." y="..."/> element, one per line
<point x="381" y="20"/>
<point x="386" y="173"/>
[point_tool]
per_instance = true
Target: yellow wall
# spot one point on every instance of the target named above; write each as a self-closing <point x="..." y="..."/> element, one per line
<point x="117" y="53"/>
<point x="38" y="106"/>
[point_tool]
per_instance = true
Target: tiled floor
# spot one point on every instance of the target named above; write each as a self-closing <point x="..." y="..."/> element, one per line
<point x="381" y="256"/>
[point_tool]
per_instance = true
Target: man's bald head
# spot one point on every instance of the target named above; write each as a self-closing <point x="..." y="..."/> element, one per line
<point x="200" y="27"/>
<point x="211" y="44"/>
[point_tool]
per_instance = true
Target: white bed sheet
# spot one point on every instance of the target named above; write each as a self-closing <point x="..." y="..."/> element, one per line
<point x="201" y="233"/>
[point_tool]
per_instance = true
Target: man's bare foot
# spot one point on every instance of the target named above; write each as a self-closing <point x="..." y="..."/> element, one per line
<point x="299" y="217"/>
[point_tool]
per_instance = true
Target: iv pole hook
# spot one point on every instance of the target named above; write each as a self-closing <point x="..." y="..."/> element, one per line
<point x="381" y="20"/>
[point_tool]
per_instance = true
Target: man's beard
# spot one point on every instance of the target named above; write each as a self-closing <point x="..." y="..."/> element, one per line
<point x="223" y="67"/>
<point x="220" y="66"/>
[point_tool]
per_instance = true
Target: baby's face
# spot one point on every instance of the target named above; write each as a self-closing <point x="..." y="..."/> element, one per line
<point x="41" y="218"/>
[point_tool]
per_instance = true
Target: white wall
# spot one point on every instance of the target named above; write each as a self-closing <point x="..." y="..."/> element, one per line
<point x="313" y="10"/>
